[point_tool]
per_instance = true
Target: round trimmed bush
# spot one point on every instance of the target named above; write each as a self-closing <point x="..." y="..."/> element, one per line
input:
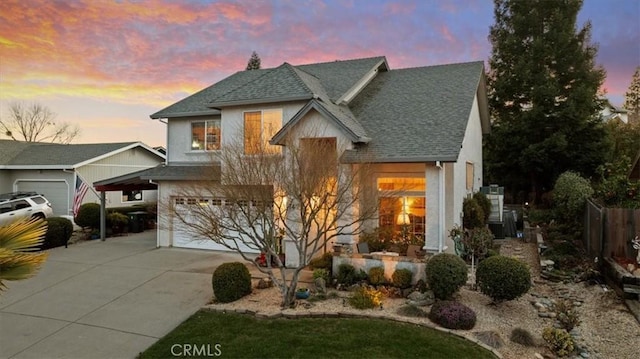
<point x="401" y="278"/>
<point x="346" y="274"/>
<point x="59" y="230"/>
<point x="446" y="273"/>
<point x="452" y="315"/>
<point x="88" y="216"/>
<point x="503" y="278"/>
<point x="376" y="276"/>
<point x="231" y="281"/>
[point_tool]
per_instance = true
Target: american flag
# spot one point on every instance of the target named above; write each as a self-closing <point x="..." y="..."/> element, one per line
<point x="78" y="195"/>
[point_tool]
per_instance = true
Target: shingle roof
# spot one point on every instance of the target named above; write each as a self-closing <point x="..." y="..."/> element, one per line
<point x="199" y="103"/>
<point x="417" y="114"/>
<point x="16" y="153"/>
<point x="162" y="172"/>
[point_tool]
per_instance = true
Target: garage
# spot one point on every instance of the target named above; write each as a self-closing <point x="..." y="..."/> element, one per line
<point x="182" y="237"/>
<point x="56" y="191"/>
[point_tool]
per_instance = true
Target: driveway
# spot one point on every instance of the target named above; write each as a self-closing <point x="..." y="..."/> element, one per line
<point x="109" y="299"/>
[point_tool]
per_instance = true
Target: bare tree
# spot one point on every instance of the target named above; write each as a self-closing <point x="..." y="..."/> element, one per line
<point x="36" y="123"/>
<point x="299" y="194"/>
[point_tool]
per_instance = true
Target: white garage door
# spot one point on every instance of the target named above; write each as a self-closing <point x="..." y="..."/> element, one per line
<point x="57" y="192"/>
<point x="183" y="238"/>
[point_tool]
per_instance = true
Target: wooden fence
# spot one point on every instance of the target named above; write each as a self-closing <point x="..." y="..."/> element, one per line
<point x="608" y="231"/>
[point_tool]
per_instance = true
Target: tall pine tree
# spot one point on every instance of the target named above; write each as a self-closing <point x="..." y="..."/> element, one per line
<point x="632" y="98"/>
<point x="254" y="62"/>
<point x="543" y="85"/>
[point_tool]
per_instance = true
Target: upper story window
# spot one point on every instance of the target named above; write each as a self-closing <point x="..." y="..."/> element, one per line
<point x="259" y="128"/>
<point x="205" y="135"/>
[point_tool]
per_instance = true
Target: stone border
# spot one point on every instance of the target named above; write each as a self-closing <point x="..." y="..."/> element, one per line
<point x="341" y="314"/>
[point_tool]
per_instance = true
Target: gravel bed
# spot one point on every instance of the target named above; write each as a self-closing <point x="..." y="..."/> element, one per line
<point x="608" y="329"/>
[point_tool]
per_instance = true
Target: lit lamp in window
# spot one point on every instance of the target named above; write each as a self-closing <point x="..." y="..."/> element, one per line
<point x="403" y="219"/>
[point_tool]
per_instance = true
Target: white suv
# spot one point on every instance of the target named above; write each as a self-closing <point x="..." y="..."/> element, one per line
<point x="17" y="205"/>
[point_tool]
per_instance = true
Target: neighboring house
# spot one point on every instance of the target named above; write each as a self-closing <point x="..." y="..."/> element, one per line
<point x="610" y="112"/>
<point x="422" y="126"/>
<point x="53" y="169"/>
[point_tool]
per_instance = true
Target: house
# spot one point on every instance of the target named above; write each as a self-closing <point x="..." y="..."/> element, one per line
<point x="610" y="112"/>
<point x="422" y="126"/>
<point x="54" y="169"/>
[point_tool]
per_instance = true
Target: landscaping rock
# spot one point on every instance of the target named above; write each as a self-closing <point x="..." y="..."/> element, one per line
<point x="321" y="285"/>
<point x="421" y="299"/>
<point x="264" y="283"/>
<point x="490" y="338"/>
<point x="636" y="272"/>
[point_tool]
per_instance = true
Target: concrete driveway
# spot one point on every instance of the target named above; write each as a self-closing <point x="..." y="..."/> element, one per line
<point x="109" y="299"/>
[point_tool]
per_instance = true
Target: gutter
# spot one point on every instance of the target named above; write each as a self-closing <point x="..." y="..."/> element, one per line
<point x="441" y="182"/>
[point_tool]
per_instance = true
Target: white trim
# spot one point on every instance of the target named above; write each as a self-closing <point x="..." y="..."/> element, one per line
<point x="115" y="165"/>
<point x="134" y="201"/>
<point x="15" y="185"/>
<point x="360" y="84"/>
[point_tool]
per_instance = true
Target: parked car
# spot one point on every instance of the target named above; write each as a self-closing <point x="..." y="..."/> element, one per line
<point x="17" y="205"/>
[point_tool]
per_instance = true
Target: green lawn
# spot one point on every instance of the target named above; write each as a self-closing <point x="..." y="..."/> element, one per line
<point x="244" y="336"/>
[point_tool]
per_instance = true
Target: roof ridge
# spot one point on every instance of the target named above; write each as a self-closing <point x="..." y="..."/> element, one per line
<point x="348" y="60"/>
<point x="266" y="72"/>
<point x="439" y="65"/>
<point x="293" y="69"/>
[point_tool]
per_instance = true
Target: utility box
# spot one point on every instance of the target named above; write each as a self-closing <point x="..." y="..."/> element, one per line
<point x="137" y="221"/>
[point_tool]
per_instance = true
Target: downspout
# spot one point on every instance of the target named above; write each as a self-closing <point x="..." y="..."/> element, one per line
<point x="441" y="190"/>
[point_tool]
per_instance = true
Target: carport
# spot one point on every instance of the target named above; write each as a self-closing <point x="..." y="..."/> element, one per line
<point x="135" y="181"/>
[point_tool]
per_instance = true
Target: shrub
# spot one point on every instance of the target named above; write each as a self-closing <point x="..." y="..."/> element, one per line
<point x="559" y="341"/>
<point x="88" y="216"/>
<point x="321" y="273"/>
<point x="376" y="276"/>
<point x="472" y="214"/>
<point x="324" y="261"/>
<point x="570" y="194"/>
<point x="401" y="278"/>
<point x="366" y="298"/>
<point x="378" y="240"/>
<point x="485" y="204"/>
<point x="117" y="221"/>
<point x="231" y="281"/>
<point x="478" y="242"/>
<point x="446" y="273"/>
<point x="346" y="274"/>
<point x="503" y="278"/>
<point x="452" y="315"/>
<point x="522" y="337"/>
<point x="59" y="230"/>
<point x="566" y="315"/>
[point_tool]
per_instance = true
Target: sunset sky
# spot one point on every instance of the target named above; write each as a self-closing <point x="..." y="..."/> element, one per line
<point x="107" y="65"/>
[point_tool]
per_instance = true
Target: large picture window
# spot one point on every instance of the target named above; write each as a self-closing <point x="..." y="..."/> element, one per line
<point x="402" y="208"/>
<point x="205" y="135"/>
<point x="259" y="128"/>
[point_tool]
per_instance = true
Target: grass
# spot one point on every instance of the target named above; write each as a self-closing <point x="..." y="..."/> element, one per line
<point x="244" y="336"/>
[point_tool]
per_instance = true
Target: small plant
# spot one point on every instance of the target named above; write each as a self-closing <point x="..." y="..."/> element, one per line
<point x="59" y="230"/>
<point x="559" y="341"/>
<point x="452" y="315"/>
<point x="231" y="281"/>
<point x="366" y="298"/>
<point x="88" y="216"/>
<point x="522" y="337"/>
<point x="346" y="274"/>
<point x="18" y="241"/>
<point x="484" y="203"/>
<point x="321" y="273"/>
<point x="376" y="276"/>
<point x="503" y="278"/>
<point x="446" y="273"/>
<point x="478" y="242"/>
<point x="566" y="315"/>
<point x="401" y="278"/>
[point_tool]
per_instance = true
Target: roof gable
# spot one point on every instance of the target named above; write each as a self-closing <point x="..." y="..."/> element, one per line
<point x="52" y="155"/>
<point x="417" y="114"/>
